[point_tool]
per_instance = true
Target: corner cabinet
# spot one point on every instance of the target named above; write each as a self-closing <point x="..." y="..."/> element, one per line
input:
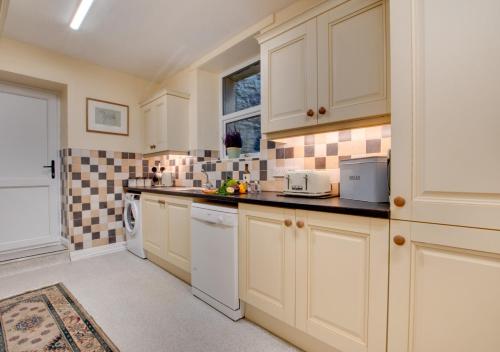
<point x="331" y="68"/>
<point x="324" y="274"/>
<point x="445" y="288"/>
<point x="166" y="122"/>
<point x="166" y="227"/>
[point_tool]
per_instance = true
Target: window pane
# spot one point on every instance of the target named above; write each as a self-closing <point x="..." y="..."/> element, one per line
<point x="249" y="129"/>
<point x="241" y="90"/>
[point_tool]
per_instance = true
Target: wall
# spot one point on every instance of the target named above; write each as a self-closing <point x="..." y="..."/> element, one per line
<point x="81" y="80"/>
<point x="322" y="151"/>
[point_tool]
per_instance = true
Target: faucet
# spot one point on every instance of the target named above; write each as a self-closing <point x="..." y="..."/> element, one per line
<point x="207" y="185"/>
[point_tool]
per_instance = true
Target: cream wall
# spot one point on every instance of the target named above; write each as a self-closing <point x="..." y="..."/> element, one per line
<point x="79" y="80"/>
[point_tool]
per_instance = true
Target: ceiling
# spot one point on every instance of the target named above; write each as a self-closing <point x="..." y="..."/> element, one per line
<point x="148" y="38"/>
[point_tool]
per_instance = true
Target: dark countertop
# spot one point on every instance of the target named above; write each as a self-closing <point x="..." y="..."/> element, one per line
<point x="331" y="205"/>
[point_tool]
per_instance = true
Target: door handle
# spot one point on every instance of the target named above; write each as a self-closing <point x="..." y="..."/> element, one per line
<point x="52" y="167"/>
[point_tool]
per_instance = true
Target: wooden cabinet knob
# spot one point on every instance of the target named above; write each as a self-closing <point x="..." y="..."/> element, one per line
<point x="310" y="112"/>
<point x="399" y="240"/>
<point x="288" y="222"/>
<point x="322" y="110"/>
<point x="300" y="224"/>
<point x="399" y="201"/>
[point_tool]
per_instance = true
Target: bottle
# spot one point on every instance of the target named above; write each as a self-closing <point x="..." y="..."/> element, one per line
<point x="246" y="175"/>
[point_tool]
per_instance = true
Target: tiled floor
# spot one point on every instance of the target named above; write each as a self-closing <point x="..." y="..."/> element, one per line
<point x="144" y="309"/>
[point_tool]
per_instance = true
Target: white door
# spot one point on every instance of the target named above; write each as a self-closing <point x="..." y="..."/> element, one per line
<point x="29" y="194"/>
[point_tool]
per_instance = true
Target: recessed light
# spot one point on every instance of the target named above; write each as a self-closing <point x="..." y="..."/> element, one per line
<point x="80" y="14"/>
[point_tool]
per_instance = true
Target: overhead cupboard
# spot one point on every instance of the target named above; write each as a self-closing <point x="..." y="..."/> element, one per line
<point x="166" y="119"/>
<point x="327" y="65"/>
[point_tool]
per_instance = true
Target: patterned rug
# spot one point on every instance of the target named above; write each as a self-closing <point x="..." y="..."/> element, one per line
<point x="49" y="319"/>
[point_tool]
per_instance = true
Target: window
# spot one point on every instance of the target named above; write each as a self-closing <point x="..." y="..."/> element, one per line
<point x="241" y="106"/>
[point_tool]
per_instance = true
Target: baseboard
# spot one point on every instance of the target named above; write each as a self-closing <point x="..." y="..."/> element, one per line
<point x="65" y="242"/>
<point x="97" y="251"/>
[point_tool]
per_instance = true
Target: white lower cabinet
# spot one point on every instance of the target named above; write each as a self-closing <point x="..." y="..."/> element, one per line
<point x="445" y="289"/>
<point x="166" y="227"/>
<point x="325" y="274"/>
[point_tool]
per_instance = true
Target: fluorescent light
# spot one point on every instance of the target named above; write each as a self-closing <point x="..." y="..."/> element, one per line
<point x="80" y="14"/>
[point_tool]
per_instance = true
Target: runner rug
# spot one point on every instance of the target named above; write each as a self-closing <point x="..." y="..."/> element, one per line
<point x="49" y="319"/>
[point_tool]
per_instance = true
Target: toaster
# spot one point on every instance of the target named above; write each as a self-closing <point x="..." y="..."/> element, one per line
<point x="307" y="183"/>
<point x="167" y="179"/>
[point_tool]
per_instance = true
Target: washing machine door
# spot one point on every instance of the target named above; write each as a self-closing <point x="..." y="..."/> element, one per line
<point x="131" y="214"/>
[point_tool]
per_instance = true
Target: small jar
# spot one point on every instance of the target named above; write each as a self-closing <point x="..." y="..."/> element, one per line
<point x="147" y="182"/>
<point x="132" y="182"/>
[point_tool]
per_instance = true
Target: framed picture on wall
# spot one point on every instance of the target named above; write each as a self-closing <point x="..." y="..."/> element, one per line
<point x="107" y="117"/>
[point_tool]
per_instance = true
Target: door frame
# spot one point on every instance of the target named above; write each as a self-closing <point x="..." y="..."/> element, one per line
<point x="54" y="145"/>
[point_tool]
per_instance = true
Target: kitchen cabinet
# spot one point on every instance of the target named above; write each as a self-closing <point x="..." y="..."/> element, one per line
<point x="166" y="226"/>
<point x="325" y="274"/>
<point x="444" y="288"/>
<point x="329" y="68"/>
<point x="166" y="122"/>
<point x="178" y="247"/>
<point x="445" y="123"/>
<point x="154" y="223"/>
<point x="267" y="260"/>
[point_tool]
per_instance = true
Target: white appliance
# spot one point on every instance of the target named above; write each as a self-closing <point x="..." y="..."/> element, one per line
<point x="167" y="179"/>
<point x="365" y="179"/>
<point x="214" y="257"/>
<point x="133" y="224"/>
<point x="308" y="183"/>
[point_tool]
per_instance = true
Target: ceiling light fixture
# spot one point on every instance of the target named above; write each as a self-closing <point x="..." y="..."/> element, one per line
<point x="80" y="14"/>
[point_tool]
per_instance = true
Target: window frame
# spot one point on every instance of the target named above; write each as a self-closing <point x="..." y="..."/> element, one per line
<point x="238" y="115"/>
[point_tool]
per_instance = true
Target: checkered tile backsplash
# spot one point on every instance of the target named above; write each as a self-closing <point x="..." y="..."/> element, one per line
<point x="92" y="195"/>
<point x="92" y="180"/>
<point x="319" y="151"/>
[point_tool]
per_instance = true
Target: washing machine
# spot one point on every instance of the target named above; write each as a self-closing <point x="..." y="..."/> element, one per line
<point x="133" y="226"/>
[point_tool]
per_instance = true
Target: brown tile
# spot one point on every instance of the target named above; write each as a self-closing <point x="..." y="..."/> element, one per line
<point x="309" y="151"/>
<point x="289" y="153"/>
<point x="280" y="153"/>
<point x="320" y="163"/>
<point x="373" y="146"/>
<point x="332" y="149"/>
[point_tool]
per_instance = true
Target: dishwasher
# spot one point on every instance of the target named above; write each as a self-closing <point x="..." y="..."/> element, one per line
<point x="214" y="257"/>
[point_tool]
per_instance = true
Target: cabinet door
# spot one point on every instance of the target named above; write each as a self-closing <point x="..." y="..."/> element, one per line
<point x="445" y="120"/>
<point x="267" y="260"/>
<point x="160" y="116"/>
<point x="154" y="224"/>
<point x="177" y="127"/>
<point x="178" y="251"/>
<point x="444" y="289"/>
<point x="352" y="61"/>
<point x="289" y="79"/>
<point x="149" y="128"/>
<point x="342" y="280"/>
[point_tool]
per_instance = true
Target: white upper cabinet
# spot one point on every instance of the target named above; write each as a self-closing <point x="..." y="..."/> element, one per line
<point x="328" y="68"/>
<point x="445" y="112"/>
<point x="165" y="118"/>
<point x="352" y="62"/>
<point x="289" y="78"/>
